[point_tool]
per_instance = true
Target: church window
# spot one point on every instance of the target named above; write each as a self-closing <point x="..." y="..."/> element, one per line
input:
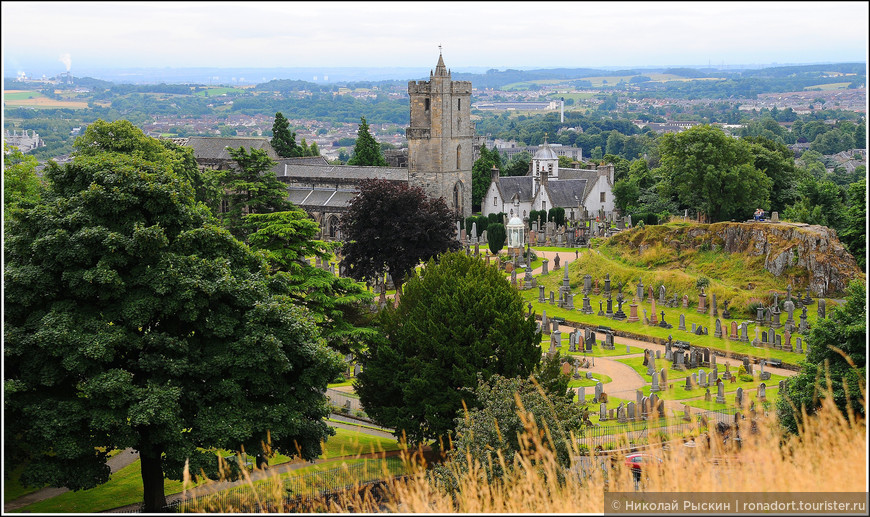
<point x="603" y="197"/>
<point x="543" y="205"/>
<point x="495" y="201"/>
<point x="459" y="104"/>
<point x="458" y="149"/>
<point x="427" y="104"/>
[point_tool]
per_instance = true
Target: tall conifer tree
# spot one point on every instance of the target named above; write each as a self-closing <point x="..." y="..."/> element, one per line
<point x="367" y="150"/>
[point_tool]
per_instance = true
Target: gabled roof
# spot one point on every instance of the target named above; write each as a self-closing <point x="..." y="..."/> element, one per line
<point x="215" y="148"/>
<point x="590" y="175"/>
<point x="520" y="186"/>
<point x="302" y="160"/>
<point x="567" y="193"/>
<point x="318" y="199"/>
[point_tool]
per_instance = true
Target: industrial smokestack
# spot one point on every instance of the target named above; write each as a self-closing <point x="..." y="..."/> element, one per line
<point x="66" y="59"/>
<point x="562" y="110"/>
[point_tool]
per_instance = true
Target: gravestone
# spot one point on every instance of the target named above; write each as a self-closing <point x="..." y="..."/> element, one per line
<point x="689" y="384"/>
<point x="581" y="395"/>
<point x="733" y="336"/>
<point x="738" y="397"/>
<point x="545" y="267"/>
<point x="540" y="294"/>
<point x="595" y="290"/>
<point x="663" y="375"/>
<point x="762" y="392"/>
<point x="552" y="298"/>
<point x="693" y="328"/>
<point x="714" y="375"/>
<point x="774" y="217"/>
<point x="620" y="414"/>
<point x="778" y="344"/>
<point x="702" y="379"/>
<point x="702" y="302"/>
<point x="587" y="309"/>
<point x="687" y="412"/>
<point x="717" y="331"/>
<point x="759" y="315"/>
<point x="662" y="294"/>
<point x="602" y="412"/>
<point x="714" y="310"/>
<point x="664" y="324"/>
<point x="807" y="300"/>
<point x="600" y="308"/>
<point x="756" y="341"/>
<point x="609" y="312"/>
<point x="572" y="345"/>
<point x="556" y="263"/>
<point x="763" y="375"/>
<point x="607" y="284"/>
<point x="720" y="393"/>
<point x="744" y="332"/>
<point x="639" y="397"/>
<point x="654" y="320"/>
<point x="707" y="395"/>
<point x="632" y="317"/>
<point x="587" y="284"/>
<point x="789" y="309"/>
<point x="599" y="389"/>
<point x="627" y="349"/>
<point x="798" y="347"/>
<point x="570" y="300"/>
<point x="640" y="289"/>
<point x="802" y="326"/>
<point x="727" y="374"/>
<point x="682" y="324"/>
<point x="608" y="341"/>
<point x="545" y="323"/>
<point x="514" y="280"/>
<point x="747" y="365"/>
<point x="630" y="408"/>
<point x="787" y="345"/>
<point x="725" y="312"/>
<point x="685" y="301"/>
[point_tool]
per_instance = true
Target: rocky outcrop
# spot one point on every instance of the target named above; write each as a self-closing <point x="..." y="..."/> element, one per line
<point x="830" y="267"/>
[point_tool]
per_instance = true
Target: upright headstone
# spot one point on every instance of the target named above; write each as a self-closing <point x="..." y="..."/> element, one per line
<point x="545" y="323"/>
<point x="663" y="375"/>
<point x="599" y="389"/>
<point x="545" y="267"/>
<point x="682" y="325"/>
<point x="762" y="392"/>
<point x="702" y="299"/>
<point x="632" y="317"/>
<point x="685" y="301"/>
<point x="802" y="326"/>
<point x="640" y="289"/>
<point x="587" y="284"/>
<point x="714" y="309"/>
<point x="744" y="332"/>
<point x="587" y="308"/>
<point x="654" y="320"/>
<point x="733" y="336"/>
<point x="720" y="393"/>
<point x="738" y="397"/>
<point x="632" y="413"/>
<point x="798" y="348"/>
<point x="602" y="412"/>
<point x="540" y="294"/>
<point x="581" y="395"/>
<point x="717" y="332"/>
<point x="702" y="378"/>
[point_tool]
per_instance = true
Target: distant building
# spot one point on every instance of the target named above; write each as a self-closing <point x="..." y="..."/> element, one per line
<point x="24" y="140"/>
<point x="548" y="186"/>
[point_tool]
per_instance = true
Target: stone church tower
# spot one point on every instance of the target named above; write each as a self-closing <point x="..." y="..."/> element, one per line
<point x="441" y="137"/>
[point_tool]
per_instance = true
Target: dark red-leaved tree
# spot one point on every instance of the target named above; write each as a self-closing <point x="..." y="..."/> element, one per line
<point x="392" y="227"/>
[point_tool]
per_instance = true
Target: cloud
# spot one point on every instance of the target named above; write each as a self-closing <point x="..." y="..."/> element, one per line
<point x="66" y="59"/>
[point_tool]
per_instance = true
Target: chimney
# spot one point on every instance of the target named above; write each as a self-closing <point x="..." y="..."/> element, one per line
<point x="494" y="173"/>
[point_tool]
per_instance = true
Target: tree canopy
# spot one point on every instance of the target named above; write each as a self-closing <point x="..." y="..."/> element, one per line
<point x="134" y="320"/>
<point x="250" y="187"/>
<point x="21" y="185"/>
<point x="284" y="140"/>
<point x="713" y="173"/>
<point x="391" y="227"/>
<point x="481" y="175"/>
<point x="845" y="329"/>
<point x="457" y="319"/>
<point x="367" y="151"/>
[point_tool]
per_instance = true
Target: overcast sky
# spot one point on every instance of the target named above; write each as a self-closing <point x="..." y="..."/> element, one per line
<point x="407" y="34"/>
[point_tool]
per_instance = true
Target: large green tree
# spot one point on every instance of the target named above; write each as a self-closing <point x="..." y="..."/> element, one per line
<point x="250" y="187"/>
<point x="391" y="227"/>
<point x="367" y="151"/>
<point x="713" y="173"/>
<point x="457" y="319"/>
<point x="844" y="330"/>
<point x="133" y="320"/>
<point x="339" y="306"/>
<point x="284" y="140"/>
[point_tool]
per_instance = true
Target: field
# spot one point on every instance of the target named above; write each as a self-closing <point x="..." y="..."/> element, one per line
<point x="599" y="81"/>
<point x="17" y="98"/>
<point x="828" y="86"/>
<point x="216" y="92"/>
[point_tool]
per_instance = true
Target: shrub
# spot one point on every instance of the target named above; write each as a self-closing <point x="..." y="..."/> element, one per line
<point x="745" y="377"/>
<point x="496" y="236"/>
<point x="702" y="281"/>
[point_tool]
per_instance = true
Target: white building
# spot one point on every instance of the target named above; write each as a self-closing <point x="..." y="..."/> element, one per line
<point x="547" y="186"/>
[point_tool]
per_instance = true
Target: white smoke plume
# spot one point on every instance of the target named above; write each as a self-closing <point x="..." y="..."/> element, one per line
<point x="66" y="59"/>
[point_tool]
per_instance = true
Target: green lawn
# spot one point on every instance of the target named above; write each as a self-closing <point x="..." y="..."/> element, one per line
<point x="17" y="96"/>
<point x="125" y="486"/>
<point x="584" y="382"/>
<point x="214" y="92"/>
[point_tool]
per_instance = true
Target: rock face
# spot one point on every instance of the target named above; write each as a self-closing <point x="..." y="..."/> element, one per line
<point x="829" y="265"/>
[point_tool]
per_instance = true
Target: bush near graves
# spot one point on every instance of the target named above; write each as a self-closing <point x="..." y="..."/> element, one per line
<point x="457" y="318"/>
<point x="496" y="237"/>
<point x="557" y="215"/>
<point x="836" y="363"/>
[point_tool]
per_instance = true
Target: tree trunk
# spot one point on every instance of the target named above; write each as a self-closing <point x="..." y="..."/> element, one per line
<point x="152" y="482"/>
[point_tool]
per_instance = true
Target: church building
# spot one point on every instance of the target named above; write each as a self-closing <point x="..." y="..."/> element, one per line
<point x="548" y="186"/>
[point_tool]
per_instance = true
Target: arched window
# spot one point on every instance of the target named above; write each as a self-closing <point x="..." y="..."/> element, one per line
<point x="457" y="197"/>
<point x="458" y="149"/>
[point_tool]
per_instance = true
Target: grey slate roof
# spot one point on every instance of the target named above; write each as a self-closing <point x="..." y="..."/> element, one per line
<point x="567" y="193"/>
<point x="590" y="175"/>
<point x="319" y="199"/>
<point x="329" y="172"/>
<point x="302" y="160"/>
<point x="521" y="186"/>
<point x="215" y="148"/>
